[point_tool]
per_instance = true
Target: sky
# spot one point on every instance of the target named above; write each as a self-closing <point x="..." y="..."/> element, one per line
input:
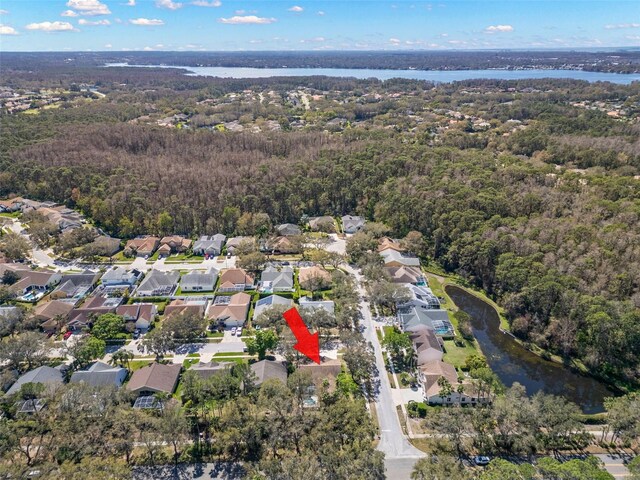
<point x="224" y="25"/>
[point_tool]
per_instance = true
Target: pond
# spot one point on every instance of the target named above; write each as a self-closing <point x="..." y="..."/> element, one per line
<point x="513" y="363"/>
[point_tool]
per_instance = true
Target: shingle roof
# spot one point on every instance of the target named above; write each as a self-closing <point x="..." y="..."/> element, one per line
<point x="288" y="229"/>
<point x="100" y="374"/>
<point x="156" y="377"/>
<point x="393" y="256"/>
<point x="282" y="278"/>
<point x="47" y="375"/>
<point x="270" y="301"/>
<point x="52" y="309"/>
<point x="208" y="369"/>
<point x="204" y="280"/>
<point x="268" y="369"/>
<point x="159" y="280"/>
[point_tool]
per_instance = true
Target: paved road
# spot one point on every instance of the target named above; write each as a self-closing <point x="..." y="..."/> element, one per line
<point x="400" y="455"/>
<point x="614" y="464"/>
<point x="42" y="258"/>
<point x="201" y="348"/>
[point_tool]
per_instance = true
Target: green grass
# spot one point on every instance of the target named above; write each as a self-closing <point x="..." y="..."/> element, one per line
<point x="457" y="356"/>
<point x="193" y="294"/>
<point x="214" y="334"/>
<point x="190" y="361"/>
<point x="232" y="359"/>
<point x="229" y="354"/>
<point x="138" y="364"/>
<point x="193" y="355"/>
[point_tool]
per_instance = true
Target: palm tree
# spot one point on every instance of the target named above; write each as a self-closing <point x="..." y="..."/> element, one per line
<point x="122" y="357"/>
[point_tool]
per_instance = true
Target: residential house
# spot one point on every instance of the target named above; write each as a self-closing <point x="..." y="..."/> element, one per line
<point x="386" y="243"/>
<point x="235" y="280"/>
<point x="426" y="344"/>
<point x="288" y="230"/>
<point x="48" y="376"/>
<point x="209" y="245"/>
<point x="199" y="281"/>
<point x="234" y="242"/>
<point x="268" y="369"/>
<point x="141" y="314"/>
<point x="155" y="378"/>
<point x="75" y="286"/>
<point x="423" y="297"/>
<point x="412" y="275"/>
<point x="431" y="374"/>
<point x="328" y="369"/>
<point x="277" y="279"/>
<point x="100" y="374"/>
<point x="314" y="278"/>
<point x="270" y="301"/>
<point x="158" y="284"/>
<point x="282" y="245"/>
<point x="119" y="277"/>
<point x="11" y="205"/>
<point x="84" y="316"/>
<point x="394" y="258"/>
<point x="62" y="217"/>
<point x="141" y="246"/>
<point x="352" y="224"/>
<point x="173" y="244"/>
<point x="230" y="311"/>
<point x="195" y="306"/>
<point x="438" y="320"/>
<point x="52" y="315"/>
<point x="322" y="224"/>
<point x="327" y="305"/>
<point x="206" y="370"/>
<point x="104" y="245"/>
<point x="31" y="284"/>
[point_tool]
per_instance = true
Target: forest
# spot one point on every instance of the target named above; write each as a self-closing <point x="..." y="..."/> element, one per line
<point x="527" y="189"/>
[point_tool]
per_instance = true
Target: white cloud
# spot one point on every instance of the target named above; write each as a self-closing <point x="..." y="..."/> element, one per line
<point x="83" y="21"/>
<point x="622" y="25"/>
<point x="314" y="40"/>
<point x="7" y="30"/>
<point x="395" y="41"/>
<point x="204" y="3"/>
<point x="131" y="3"/>
<point x="320" y="12"/>
<point x="4" y="12"/>
<point x="147" y="22"/>
<point x="168" y="4"/>
<point x="498" y="28"/>
<point x="635" y="38"/>
<point x="89" y="7"/>
<point x="50" y="26"/>
<point x="296" y="8"/>
<point x="108" y="45"/>
<point x="69" y="13"/>
<point x="246" y="20"/>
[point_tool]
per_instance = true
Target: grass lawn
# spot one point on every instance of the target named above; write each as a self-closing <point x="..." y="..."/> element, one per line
<point x="138" y="364"/>
<point x="190" y="361"/>
<point x="231" y="359"/>
<point x="455" y="355"/>
<point x="192" y="294"/>
<point x="214" y="334"/>
<point x="193" y="355"/>
<point x="229" y="354"/>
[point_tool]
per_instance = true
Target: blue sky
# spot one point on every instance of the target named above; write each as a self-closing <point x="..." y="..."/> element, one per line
<point x="45" y="25"/>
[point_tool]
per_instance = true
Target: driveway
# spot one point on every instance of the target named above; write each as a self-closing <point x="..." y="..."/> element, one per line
<point x="400" y="455"/>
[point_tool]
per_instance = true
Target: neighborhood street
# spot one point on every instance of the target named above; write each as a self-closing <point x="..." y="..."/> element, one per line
<point x="400" y="455"/>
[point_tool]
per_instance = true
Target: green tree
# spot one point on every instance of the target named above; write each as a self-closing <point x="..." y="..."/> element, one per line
<point x="262" y="341"/>
<point x="86" y="349"/>
<point x="108" y="326"/>
<point x="14" y="246"/>
<point x="439" y="467"/>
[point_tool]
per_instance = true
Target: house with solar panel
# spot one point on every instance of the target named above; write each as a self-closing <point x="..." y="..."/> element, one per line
<point x="158" y="284"/>
<point x="269" y="302"/>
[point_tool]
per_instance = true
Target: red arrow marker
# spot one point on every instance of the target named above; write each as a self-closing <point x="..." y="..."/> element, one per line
<point x="308" y="344"/>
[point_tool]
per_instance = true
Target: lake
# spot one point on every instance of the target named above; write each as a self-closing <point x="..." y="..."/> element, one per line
<point x="513" y="363"/>
<point x="430" y="75"/>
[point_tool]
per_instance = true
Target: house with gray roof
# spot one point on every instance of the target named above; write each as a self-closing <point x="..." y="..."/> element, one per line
<point x="394" y="258"/>
<point x="410" y="317"/>
<point x="277" y="279"/>
<point x="322" y="224"/>
<point x="50" y="377"/>
<point x="352" y="224"/>
<point x="270" y="301"/>
<point x="75" y="285"/>
<point x="117" y="276"/>
<point x="234" y="242"/>
<point x="327" y="305"/>
<point x="199" y="281"/>
<point x="267" y="369"/>
<point x="209" y="244"/>
<point x="423" y="297"/>
<point x="158" y="284"/>
<point x="288" y="230"/>
<point x="100" y="374"/>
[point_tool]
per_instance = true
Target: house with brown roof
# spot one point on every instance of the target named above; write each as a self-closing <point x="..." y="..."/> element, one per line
<point x="313" y="277"/>
<point x="141" y="246"/>
<point x="426" y="344"/>
<point x="324" y="223"/>
<point x="31" y="284"/>
<point x="179" y="306"/>
<point x="234" y="242"/>
<point x="173" y="244"/>
<point x="141" y="314"/>
<point x="230" y="311"/>
<point x="92" y="308"/>
<point x="328" y="369"/>
<point x="155" y="378"/>
<point x="412" y="275"/>
<point x="235" y="280"/>
<point x="387" y="243"/>
<point x="52" y="315"/>
<point x="206" y="370"/>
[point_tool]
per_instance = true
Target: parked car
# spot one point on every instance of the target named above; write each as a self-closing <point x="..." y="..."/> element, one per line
<point x="136" y="334"/>
<point x="67" y="335"/>
<point x="233" y="330"/>
<point x="481" y="460"/>
<point x="239" y="332"/>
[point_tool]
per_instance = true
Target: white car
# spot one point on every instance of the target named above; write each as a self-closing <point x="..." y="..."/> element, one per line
<point x="481" y="460"/>
<point x="233" y="330"/>
<point x="239" y="332"/>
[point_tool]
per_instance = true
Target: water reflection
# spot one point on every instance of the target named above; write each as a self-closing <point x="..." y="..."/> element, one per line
<point x="513" y="363"/>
